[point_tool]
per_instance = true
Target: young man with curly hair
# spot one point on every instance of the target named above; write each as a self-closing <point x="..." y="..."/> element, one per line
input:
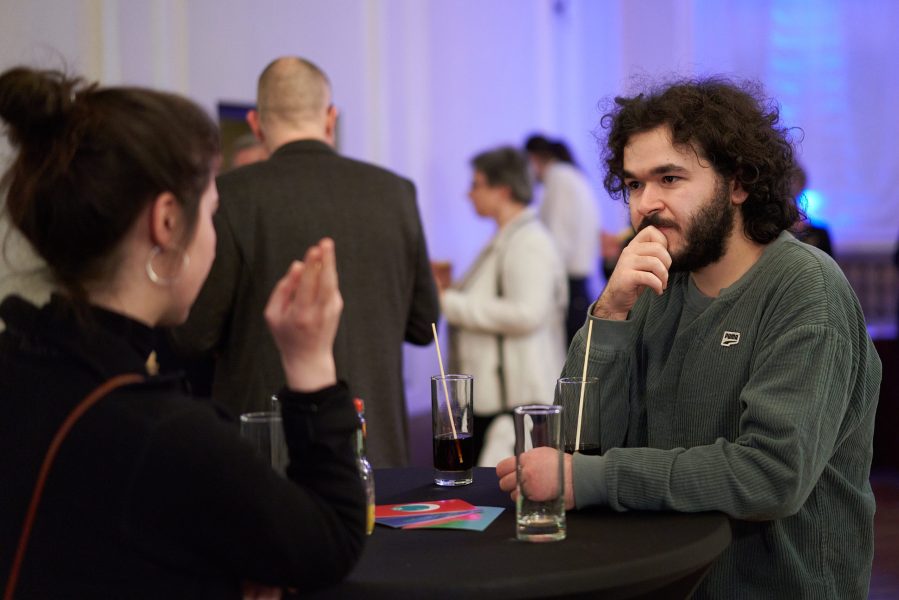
<point x="736" y="371"/>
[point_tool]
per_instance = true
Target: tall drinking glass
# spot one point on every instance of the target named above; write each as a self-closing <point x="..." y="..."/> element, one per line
<point x="265" y="431"/>
<point x="453" y="423"/>
<point x="578" y="415"/>
<point x="540" y="509"/>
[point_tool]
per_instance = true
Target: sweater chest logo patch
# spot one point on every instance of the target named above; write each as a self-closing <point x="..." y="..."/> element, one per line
<point x="731" y="338"/>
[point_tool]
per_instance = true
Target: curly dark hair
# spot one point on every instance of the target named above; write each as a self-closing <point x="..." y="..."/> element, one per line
<point x="733" y="127"/>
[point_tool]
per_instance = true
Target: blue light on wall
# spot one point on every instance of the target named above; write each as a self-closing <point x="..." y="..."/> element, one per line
<point x="814" y="203"/>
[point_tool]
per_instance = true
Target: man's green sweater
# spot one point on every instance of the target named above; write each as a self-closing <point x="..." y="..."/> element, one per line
<point x="759" y="403"/>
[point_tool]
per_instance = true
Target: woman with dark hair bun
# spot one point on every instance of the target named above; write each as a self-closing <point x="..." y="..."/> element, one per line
<point x="151" y="493"/>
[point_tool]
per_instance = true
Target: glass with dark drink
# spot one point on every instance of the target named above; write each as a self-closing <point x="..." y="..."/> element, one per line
<point x="579" y="399"/>
<point x="453" y="454"/>
<point x="452" y="420"/>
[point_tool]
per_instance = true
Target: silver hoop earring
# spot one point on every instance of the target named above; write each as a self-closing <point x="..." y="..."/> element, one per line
<point x="156" y="277"/>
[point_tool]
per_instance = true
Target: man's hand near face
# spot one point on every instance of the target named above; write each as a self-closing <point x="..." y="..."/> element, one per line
<point x="644" y="263"/>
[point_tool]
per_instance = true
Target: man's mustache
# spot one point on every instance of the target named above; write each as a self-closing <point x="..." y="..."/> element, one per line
<point x="656" y="221"/>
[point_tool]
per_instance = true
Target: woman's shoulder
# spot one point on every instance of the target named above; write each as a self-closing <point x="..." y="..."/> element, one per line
<point x="156" y="401"/>
<point x="534" y="236"/>
<point x="528" y="229"/>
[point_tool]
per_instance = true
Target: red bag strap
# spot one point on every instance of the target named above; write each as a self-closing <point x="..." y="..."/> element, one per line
<point x="89" y="400"/>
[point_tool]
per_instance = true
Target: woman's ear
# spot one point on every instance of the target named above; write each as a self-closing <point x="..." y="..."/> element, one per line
<point x="165" y="220"/>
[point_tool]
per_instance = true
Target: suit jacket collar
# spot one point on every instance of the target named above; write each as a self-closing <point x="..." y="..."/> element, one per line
<point x="304" y="147"/>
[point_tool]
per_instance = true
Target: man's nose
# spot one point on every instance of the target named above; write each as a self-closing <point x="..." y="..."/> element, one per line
<point x="651" y="200"/>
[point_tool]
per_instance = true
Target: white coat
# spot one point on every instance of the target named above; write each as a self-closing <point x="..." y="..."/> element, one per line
<point x="529" y="315"/>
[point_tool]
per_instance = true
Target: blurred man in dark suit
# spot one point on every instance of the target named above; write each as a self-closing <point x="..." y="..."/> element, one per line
<point x="269" y="213"/>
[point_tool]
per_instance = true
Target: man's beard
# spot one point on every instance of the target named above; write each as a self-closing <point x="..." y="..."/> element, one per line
<point x="706" y="234"/>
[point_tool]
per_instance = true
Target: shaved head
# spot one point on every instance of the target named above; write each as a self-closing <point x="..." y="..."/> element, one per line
<point x="293" y="91"/>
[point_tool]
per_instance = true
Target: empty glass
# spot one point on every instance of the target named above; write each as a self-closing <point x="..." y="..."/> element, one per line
<point x="265" y="431"/>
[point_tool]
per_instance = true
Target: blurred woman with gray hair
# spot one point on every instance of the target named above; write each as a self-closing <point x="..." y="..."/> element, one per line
<point x="506" y="314"/>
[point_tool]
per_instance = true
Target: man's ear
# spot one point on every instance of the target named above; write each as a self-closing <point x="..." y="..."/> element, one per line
<point x="738" y="194"/>
<point x="255" y="124"/>
<point x="165" y="220"/>
<point x="331" y="124"/>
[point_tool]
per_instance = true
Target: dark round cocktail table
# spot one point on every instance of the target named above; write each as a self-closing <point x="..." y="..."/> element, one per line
<point x="605" y="555"/>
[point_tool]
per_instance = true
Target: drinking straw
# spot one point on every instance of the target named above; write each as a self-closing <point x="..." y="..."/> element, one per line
<point x="449" y="408"/>
<point x="580" y="408"/>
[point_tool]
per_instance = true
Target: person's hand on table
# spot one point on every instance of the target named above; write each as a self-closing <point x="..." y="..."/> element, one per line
<point x="536" y="465"/>
<point x="302" y="313"/>
<point x="643" y="263"/>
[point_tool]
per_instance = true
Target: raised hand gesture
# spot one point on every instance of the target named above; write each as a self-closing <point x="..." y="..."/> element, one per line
<point x="302" y="313"/>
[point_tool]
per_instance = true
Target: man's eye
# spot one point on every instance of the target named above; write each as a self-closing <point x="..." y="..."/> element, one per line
<point x="633" y="185"/>
<point x="670" y="178"/>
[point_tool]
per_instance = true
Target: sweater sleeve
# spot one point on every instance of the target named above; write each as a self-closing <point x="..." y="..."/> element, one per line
<point x="613" y="362"/>
<point x="199" y="486"/>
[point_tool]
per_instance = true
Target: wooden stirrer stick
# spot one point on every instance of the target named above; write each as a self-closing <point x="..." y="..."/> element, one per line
<point x="580" y="408"/>
<point x="449" y="408"/>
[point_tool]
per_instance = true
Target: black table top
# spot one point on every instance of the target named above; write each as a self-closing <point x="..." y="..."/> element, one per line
<point x="606" y="554"/>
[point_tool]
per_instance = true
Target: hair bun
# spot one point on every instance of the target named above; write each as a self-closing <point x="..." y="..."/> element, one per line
<point x="35" y="103"/>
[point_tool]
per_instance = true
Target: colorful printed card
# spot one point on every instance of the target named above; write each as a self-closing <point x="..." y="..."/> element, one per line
<point x="447" y="514"/>
<point x="436" y="507"/>
<point x="476" y="521"/>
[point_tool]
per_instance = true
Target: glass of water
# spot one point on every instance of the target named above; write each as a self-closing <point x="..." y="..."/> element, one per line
<point x="540" y="509"/>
